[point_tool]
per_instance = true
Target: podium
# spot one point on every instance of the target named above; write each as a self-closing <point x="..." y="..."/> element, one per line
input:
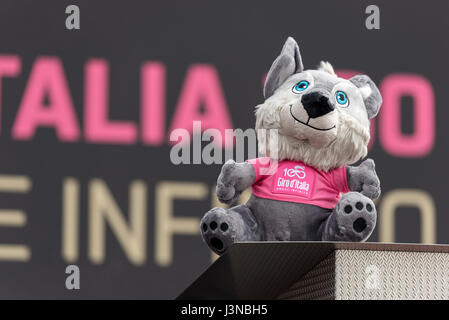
<point x="325" y="270"/>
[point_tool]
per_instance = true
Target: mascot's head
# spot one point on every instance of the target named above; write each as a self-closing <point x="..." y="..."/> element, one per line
<point x="322" y="120"/>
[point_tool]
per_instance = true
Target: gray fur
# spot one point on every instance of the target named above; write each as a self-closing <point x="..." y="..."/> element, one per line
<point x="364" y="179"/>
<point x="233" y="180"/>
<point x="240" y="226"/>
<point x="263" y="220"/>
<point x="286" y="64"/>
<point x="284" y="221"/>
<point x="272" y="220"/>
<point x="374" y="100"/>
<point x="355" y="225"/>
<point x="323" y="140"/>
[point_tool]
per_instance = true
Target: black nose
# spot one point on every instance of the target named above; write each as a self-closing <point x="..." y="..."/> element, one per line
<point x="316" y="104"/>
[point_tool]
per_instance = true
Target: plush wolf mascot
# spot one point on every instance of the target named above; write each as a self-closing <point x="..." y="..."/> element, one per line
<point x="305" y="188"/>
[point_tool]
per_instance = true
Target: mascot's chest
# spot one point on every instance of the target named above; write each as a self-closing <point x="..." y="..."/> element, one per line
<point x="295" y="181"/>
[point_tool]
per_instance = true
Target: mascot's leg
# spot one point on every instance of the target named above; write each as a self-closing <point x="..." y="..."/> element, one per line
<point x="353" y="219"/>
<point x="221" y="227"/>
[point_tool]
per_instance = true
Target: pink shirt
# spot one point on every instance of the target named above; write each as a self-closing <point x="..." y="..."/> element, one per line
<point x="295" y="181"/>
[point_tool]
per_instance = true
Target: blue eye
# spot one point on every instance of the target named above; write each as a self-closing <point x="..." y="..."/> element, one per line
<point x="301" y="86"/>
<point x="341" y="98"/>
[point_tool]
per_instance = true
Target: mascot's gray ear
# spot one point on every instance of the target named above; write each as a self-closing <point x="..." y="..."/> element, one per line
<point x="286" y="64"/>
<point x="370" y="93"/>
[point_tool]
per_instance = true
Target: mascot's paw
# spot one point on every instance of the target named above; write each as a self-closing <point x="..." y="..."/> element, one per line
<point x="355" y="217"/>
<point x="218" y="230"/>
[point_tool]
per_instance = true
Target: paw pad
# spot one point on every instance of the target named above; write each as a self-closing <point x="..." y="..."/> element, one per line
<point x="359" y="225"/>
<point x="356" y="216"/>
<point x="359" y="206"/>
<point x="217" y="229"/>
<point x="216" y="243"/>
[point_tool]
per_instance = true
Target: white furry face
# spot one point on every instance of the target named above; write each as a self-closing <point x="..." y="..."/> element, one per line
<point x="321" y="119"/>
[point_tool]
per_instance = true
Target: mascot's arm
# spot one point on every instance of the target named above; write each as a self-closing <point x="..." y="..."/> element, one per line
<point x="364" y="179"/>
<point x="233" y="180"/>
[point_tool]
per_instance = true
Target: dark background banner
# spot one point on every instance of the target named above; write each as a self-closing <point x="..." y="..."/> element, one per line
<point x="101" y="194"/>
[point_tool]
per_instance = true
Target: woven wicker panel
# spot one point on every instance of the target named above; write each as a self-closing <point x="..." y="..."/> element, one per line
<point x="363" y="274"/>
<point x="317" y="284"/>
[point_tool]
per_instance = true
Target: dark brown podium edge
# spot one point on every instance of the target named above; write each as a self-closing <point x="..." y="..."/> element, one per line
<point x="262" y="270"/>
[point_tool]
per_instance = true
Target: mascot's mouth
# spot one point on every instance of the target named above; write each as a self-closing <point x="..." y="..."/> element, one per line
<point x="307" y="123"/>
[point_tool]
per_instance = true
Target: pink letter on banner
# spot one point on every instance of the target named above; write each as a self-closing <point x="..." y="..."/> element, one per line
<point x="10" y="66"/>
<point x="421" y="142"/>
<point x="98" y="128"/>
<point x="153" y="103"/>
<point x="47" y="79"/>
<point x="202" y="87"/>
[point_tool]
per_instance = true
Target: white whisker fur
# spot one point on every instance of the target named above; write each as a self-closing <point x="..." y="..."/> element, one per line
<point x="349" y="146"/>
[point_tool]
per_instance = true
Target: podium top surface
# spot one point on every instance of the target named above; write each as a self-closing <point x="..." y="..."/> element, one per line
<point x="261" y="270"/>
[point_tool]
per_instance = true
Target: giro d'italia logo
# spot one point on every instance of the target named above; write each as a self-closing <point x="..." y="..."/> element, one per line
<point x="293" y="180"/>
<point x="297" y="171"/>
